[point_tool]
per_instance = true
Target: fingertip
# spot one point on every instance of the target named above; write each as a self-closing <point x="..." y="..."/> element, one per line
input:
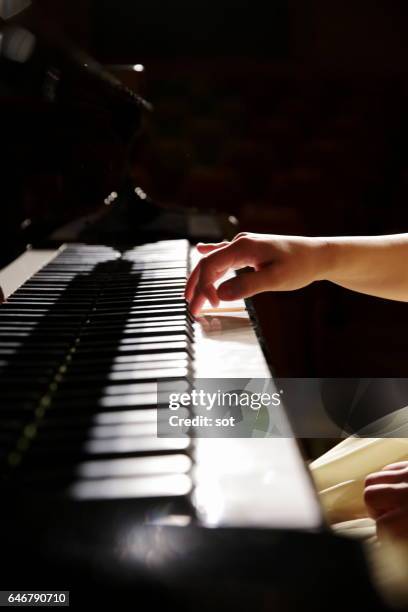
<point x="209" y="247"/>
<point x="196" y="304"/>
<point x="204" y="248"/>
<point x="212" y="296"/>
<point x="400" y="465"/>
<point x="215" y="301"/>
<point x="187" y="295"/>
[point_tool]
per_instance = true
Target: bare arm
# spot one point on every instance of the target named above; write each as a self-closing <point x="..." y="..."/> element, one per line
<point x="375" y="265"/>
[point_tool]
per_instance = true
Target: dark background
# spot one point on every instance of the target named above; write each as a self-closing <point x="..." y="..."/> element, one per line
<point x="199" y="28"/>
<point x="290" y="115"/>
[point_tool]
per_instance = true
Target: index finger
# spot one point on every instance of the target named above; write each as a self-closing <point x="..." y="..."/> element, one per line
<point x="193" y="278"/>
<point x="234" y="256"/>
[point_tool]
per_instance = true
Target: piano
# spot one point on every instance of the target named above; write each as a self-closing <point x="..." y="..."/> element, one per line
<point x="96" y="503"/>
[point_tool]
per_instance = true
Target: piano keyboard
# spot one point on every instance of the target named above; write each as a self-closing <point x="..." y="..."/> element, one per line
<point x="82" y="345"/>
<point x="83" y="341"/>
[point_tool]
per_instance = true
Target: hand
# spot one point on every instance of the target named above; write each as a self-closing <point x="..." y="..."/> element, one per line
<point x="386" y="497"/>
<point x="279" y="263"/>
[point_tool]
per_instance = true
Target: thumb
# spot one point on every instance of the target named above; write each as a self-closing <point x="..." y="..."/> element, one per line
<point x="246" y="285"/>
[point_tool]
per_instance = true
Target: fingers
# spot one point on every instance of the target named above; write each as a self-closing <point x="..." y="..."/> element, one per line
<point x="197" y="303"/>
<point x="246" y="285"/>
<point x="200" y="286"/>
<point x="206" y="249"/>
<point x="209" y="248"/>
<point x="193" y="279"/>
<point x="394" y="522"/>
<point x="388" y="476"/>
<point x="401" y="465"/>
<point x="383" y="498"/>
<point x="191" y="283"/>
<point x="211" y="294"/>
<point x="386" y="496"/>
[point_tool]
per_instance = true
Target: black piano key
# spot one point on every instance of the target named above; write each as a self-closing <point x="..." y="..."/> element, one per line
<point x="56" y="419"/>
<point x="137" y="305"/>
<point x="147" y="337"/>
<point x="23" y="336"/>
<point x="139" y="321"/>
<point x="29" y="352"/>
<point x="21" y="409"/>
<point x="147" y="365"/>
<point x="65" y="405"/>
<point x="89" y="340"/>
<point x="129" y="376"/>
<point x="106" y="366"/>
<point x="123" y="446"/>
<point x="160" y="495"/>
<point x="15" y="380"/>
<point x="132" y="488"/>
<point x="137" y="297"/>
<point x="75" y="434"/>
<point x="147" y="466"/>
<point x="112" y="327"/>
<point x="56" y="304"/>
<point x="126" y="336"/>
<point x="80" y="362"/>
<point x="134" y="313"/>
<point x="37" y="316"/>
<point x="134" y="349"/>
<point x="19" y="396"/>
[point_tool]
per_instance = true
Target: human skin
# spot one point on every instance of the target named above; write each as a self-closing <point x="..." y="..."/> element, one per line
<point x="386" y="498"/>
<point x="374" y="265"/>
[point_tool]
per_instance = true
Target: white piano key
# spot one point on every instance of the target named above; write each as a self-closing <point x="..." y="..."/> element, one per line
<point x="153" y="346"/>
<point x="148" y="365"/>
<point x="120" y="401"/>
<point x="149" y="357"/>
<point x="100" y="432"/>
<point x="140" y="466"/>
<point x="158" y="373"/>
<point x="130" y="488"/>
<point x="141" y="388"/>
<point x="135" y="445"/>
<point x="145" y="388"/>
<point x="125" y="416"/>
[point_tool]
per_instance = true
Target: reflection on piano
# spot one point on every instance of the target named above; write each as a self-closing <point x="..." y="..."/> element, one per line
<point x="84" y="342"/>
<point x="92" y="499"/>
<point x="92" y="496"/>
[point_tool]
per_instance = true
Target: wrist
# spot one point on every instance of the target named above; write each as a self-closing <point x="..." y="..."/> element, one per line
<point x="325" y="258"/>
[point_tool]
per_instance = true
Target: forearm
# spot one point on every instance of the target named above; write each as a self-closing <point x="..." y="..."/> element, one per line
<point x="374" y="265"/>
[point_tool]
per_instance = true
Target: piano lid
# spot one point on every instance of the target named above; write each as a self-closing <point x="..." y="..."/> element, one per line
<point x="68" y="130"/>
<point x="11" y="8"/>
